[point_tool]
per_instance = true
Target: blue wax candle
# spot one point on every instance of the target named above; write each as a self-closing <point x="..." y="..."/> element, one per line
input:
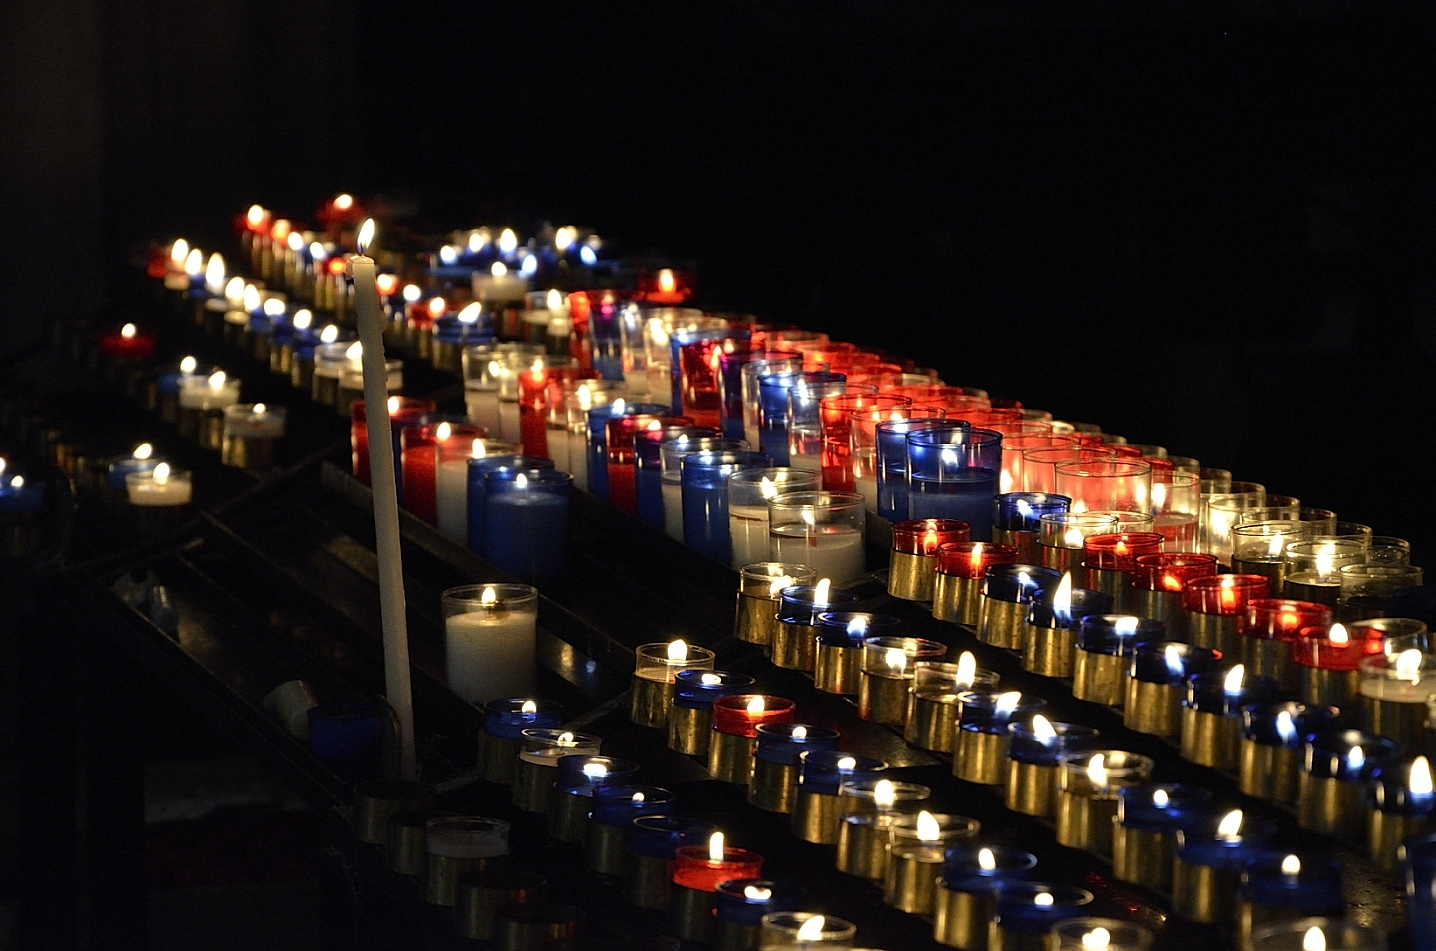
<point x="1017" y="584"/>
<point x="849" y="629"/>
<point x="977" y="869"/>
<point x="598" y="418"/>
<point x="773" y="408"/>
<point x="697" y="689"/>
<point x="799" y="604"/>
<point x="526" y="522"/>
<point x="620" y="804"/>
<point x="1265" y="724"/>
<point x="1021" y="511"/>
<point x="953" y="474"/>
<point x="1044" y="612"/>
<point x="1171" y="663"/>
<point x="890" y="460"/>
<point x="1307" y="884"/>
<point x="1036" y="747"/>
<point x="648" y="459"/>
<point x="344" y="731"/>
<point x="506" y="719"/>
<point x="730" y="383"/>
<point x="1418" y="866"/>
<point x="988" y="711"/>
<point x="1347" y="755"/>
<point x="1034" y="907"/>
<point x="582" y="771"/>
<point x="784" y="744"/>
<point x="1117" y="634"/>
<point x="18" y="495"/>
<point x="1207" y="844"/>
<point x="744" y="901"/>
<point x="705" y="499"/>
<point x="1163" y="807"/>
<point x="823" y="771"/>
<point x="1210" y="693"/>
<point x="659" y="837"/>
<point x="478" y="494"/>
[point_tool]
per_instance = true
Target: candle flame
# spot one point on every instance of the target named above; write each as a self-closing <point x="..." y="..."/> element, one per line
<point x="393" y="405"/>
<point x="437" y="307"/>
<point x="639" y="797"/>
<point x="930" y="542"/>
<point x="1230" y="828"/>
<point x="1419" y="781"/>
<point x="896" y="659"/>
<point x="1291" y="866"/>
<point x="1042" y="899"/>
<point x="966" y="669"/>
<point x="1228" y="593"/>
<point x="554" y="299"/>
<point x="677" y="652"/>
<point x="667" y="283"/>
<point x="1062" y="599"/>
<point x="1235" y="678"/>
<point x="566" y="739"/>
<point x="847" y="764"/>
<point x="508" y="241"/>
<point x="296" y="241"/>
<point x="812" y="929"/>
<point x="355" y="353"/>
<point x="366" y="236"/>
<point x="1161" y="799"/>
<point x="757" y="893"/>
<point x="161" y="475"/>
<point x="858" y="627"/>
<point x="619" y="407"/>
<point x="1097" y="770"/>
<point x="521" y="481"/>
<point x="528" y="707"/>
<point x="1356" y="759"/>
<point x="1006" y="704"/>
<point x="1338" y="636"/>
<point x="776" y="586"/>
<point x="143" y="451"/>
<point x="593" y="772"/>
<point x="497" y="269"/>
<point x="884" y="794"/>
<point x="767" y="488"/>
<point x="1072" y="538"/>
<point x="302" y="319"/>
<point x="179" y="251"/>
<point x="1285" y="728"/>
<point x="1171" y="582"/>
<point x="928" y="829"/>
<point x="799" y="733"/>
<point x="214" y="273"/>
<point x="329" y="334"/>
<point x="1172" y="654"/>
<point x="234" y="292"/>
<point x="18" y="482"/>
<point x="1326" y="560"/>
<point x="974" y="560"/>
<point x="216" y="381"/>
<point x="710" y="680"/>
<point x="1408" y="665"/>
<point x="251" y="298"/>
<point x="273" y="307"/>
<point x="564" y="237"/>
<point x="477" y="450"/>
<point x="756" y="706"/>
<point x="1274" y="547"/>
<point x="1042" y="729"/>
<point x="1125" y="626"/>
<point x="385" y="282"/>
<point x="1098" y="939"/>
<point x="128" y="331"/>
<point x="1314" y="939"/>
<point x="443" y="431"/>
<point x="715" y="847"/>
<point x="986" y="860"/>
<point x="343" y="201"/>
<point x="255" y="216"/>
<point x="469" y="314"/>
<point x="260" y="409"/>
<point x="820" y="591"/>
<point x="489" y="597"/>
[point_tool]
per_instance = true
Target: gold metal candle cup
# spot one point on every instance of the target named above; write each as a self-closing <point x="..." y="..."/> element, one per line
<point x="654" y="672"/>
<point x="960" y="918"/>
<point x="1204" y="894"/>
<point x="690" y="913"/>
<point x="1269" y="772"/>
<point x="651" y="701"/>
<point x="863" y="844"/>
<point x="795" y="646"/>
<point x="730" y="757"/>
<point x="1404" y="723"/>
<point x="1048" y="651"/>
<point x="981" y="757"/>
<point x="537" y="926"/>
<point x="910" y="880"/>
<point x="910" y="576"/>
<point x="377" y="800"/>
<point x="774" y="786"/>
<point x="1333" y="806"/>
<point x="1143" y="857"/>
<point x="689" y="729"/>
<point x="209" y="429"/>
<point x="1061" y="559"/>
<point x="956" y="599"/>
<point x="837" y="669"/>
<point x="1031" y="789"/>
<point x="1266" y="657"/>
<point x="1273" y="569"/>
<point x="930" y="720"/>
<point x="1116" y="585"/>
<point x="443" y="872"/>
<point x="536" y="766"/>
<point x="647" y="881"/>
<point x="499" y="757"/>
<point x="1217" y="631"/>
<point x="1210" y="739"/>
<point x="1100" y="678"/>
<point x="1087" y="795"/>
<point x="1155" y="709"/>
<point x="481" y="896"/>
<point x="1164" y="606"/>
<point x="883" y="699"/>
<point x="756" y="619"/>
<point x="1340" y="688"/>
<point x="446" y="356"/>
<point x="605" y="847"/>
<point x="406" y="852"/>
<point x="1385" y="831"/>
<point x="733" y="936"/>
<point x="568" y="814"/>
<point x="1001" y="623"/>
<point x="532" y="786"/>
<point x="816" y="816"/>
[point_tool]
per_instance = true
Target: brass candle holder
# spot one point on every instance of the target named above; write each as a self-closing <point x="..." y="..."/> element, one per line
<point x="1271" y="747"/>
<point x="1032" y="766"/>
<point x="821" y="774"/>
<point x="502" y="736"/>
<point x="655" y="668"/>
<point x="610" y="825"/>
<point x="457" y="846"/>
<point x="1331" y="792"/>
<point x="795" y="640"/>
<point x="1395" y="696"/>
<point x="405" y="851"/>
<point x="912" y="563"/>
<point x="1049" y="640"/>
<point x="1401" y="807"/>
<point x="1105" y="645"/>
<point x="481" y="895"/>
<point x="1216" y="609"/>
<point x="838" y="663"/>
<point x="1144" y="832"/>
<point x="1211" y="715"/>
<point x="980" y="748"/>
<point x="760" y="588"/>
<point x="862" y="845"/>
<point x="777" y="761"/>
<point x="887" y="674"/>
<point x="377" y="800"/>
<point x="648" y="865"/>
<point x="735" y="730"/>
<point x="572" y="795"/>
<point x="957" y="582"/>
<point x="1286" y="888"/>
<point x="965" y="899"/>
<point x="1157" y="686"/>
<point x="916" y="846"/>
<point x="528" y="926"/>
<point x="690" y="722"/>
<point x="1025" y="913"/>
<point x="535" y="767"/>
<point x="932" y="702"/>
<point x="742" y="903"/>
<point x="1207" y="871"/>
<point x="1088" y="782"/>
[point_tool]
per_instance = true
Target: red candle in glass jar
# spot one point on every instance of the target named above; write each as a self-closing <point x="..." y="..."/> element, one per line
<point x="704" y="867"/>
<point x="421" y="314"/>
<point x="1172" y="571"/>
<point x="533" y="402"/>
<point x="129" y="343"/>
<point x="403" y="411"/>
<point x="971" y="559"/>
<point x="1119" y="551"/>
<point x="622" y="475"/>
<point x="924" y="536"/>
<point x="667" y="286"/>
<point x="742" y="714"/>
<point x="1281" y="619"/>
<point x="419" y="446"/>
<point x="836" y="414"/>
<point x="1224" y="594"/>
<point x="1335" y="648"/>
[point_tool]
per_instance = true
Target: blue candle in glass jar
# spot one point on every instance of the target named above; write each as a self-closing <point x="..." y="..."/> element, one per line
<point x="619" y="804"/>
<point x="953" y="474"/>
<point x="890" y="460"/>
<point x="1042" y="747"/>
<point x="1117" y="634"/>
<point x="730" y="383"/>
<point x="773" y="408"/>
<point x="660" y="836"/>
<point x="1286" y="724"/>
<point x="589" y="772"/>
<point x="1044" y="612"/>
<point x="598" y="418"/>
<point x="1288" y="886"/>
<point x="1171" y="663"/>
<point x="744" y="901"/>
<point x="988" y="711"/>
<point x="800" y="603"/>
<point x="783" y="744"/>
<point x="1163" y="807"/>
<point x="1347" y="755"/>
<point x="526" y="522"/>
<point x="1225" y="843"/>
<point x="1211" y="692"/>
<point x="117" y="467"/>
<point x="705" y="499"/>
<point x="823" y="771"/>
<point x="507" y="719"/>
<point x="478" y="489"/>
<point x="848" y="629"/>
<point x="697" y="689"/>
<point x="1033" y="908"/>
<point x="973" y="868"/>
<point x="1017" y="584"/>
<point x="1021" y="511"/>
<point x="648" y="461"/>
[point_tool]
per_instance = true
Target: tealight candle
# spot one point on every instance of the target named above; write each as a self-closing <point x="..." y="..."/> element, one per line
<point x="1259" y="548"/>
<point x="1099" y="934"/>
<point x="1272" y="626"/>
<point x="1061" y="536"/>
<point x="250" y="432"/>
<point x="1111" y="562"/>
<point x="887" y="673"/>
<point x="795" y="642"/>
<point x="1319" y="934"/>
<point x="1087" y="787"/>
<point x="804" y="931"/>
<point x="1402" y="807"/>
<point x="691" y="719"/>
<point x="982" y="739"/>
<point x="202" y="402"/>
<point x="1007" y="593"/>
<point x="704" y="483"/>
<point x="1207" y="872"/>
<point x="420" y="449"/>
<point x="838" y="664"/>
<point x="1395" y="692"/>
<point x="821" y="774"/>
<point x="572" y="797"/>
<point x="489" y="640"/>
<point x="656" y="668"/>
<point x="648" y="870"/>
<point x="1216" y="609"/>
<point x="610" y="826"/>
<point x="749" y="491"/>
<point x="742" y="903"/>
<point x="1157" y="686"/>
<point x="535" y="770"/>
<point x="1105" y="645"/>
<point x="1026" y="912"/>
<point x="698" y="870"/>
<point x="870" y="810"/>
<point x="932" y="703"/>
<point x="760" y="587"/>
<point x="1335" y="768"/>
<point x="1144" y="837"/>
<point x="1312" y="566"/>
<point x="1282" y="888"/>
<point x="912" y="564"/>
<point x="142" y="459"/>
<point x="1049" y="641"/>
<point x="502" y="736"/>
<point x="734" y="736"/>
<point x="1212" y="711"/>
<point x="1036" y="747"/>
<point x="1272" y="738"/>
<point x="456" y="846"/>
<point x="1158" y="583"/>
<point x="1018" y="516"/>
<point x="916" y="849"/>
<point x="159" y="497"/>
<point x="777" y="761"/>
<point x="967" y="893"/>
<point x="958" y="576"/>
<point x="1327" y="663"/>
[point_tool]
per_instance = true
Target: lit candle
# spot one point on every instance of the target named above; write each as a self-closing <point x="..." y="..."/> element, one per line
<point x="1100" y="934"/>
<point x="1031" y="786"/>
<point x="1212" y="711"/>
<point x="1327" y="662"/>
<point x="1026" y="912"/>
<point x="982" y="739"/>
<point x="1320" y="934"/>
<point x="1087" y="788"/>
<point x="610" y="827"/>
<point x="1105" y="645"/>
<point x="505" y="720"/>
<point x="655" y="668"/>
<point x="1402" y="807"/>
<point x="743" y="902"/>
<point x="691" y="720"/>
<point x="760" y="586"/>
<point x="477" y="472"/>
<point x="526" y="522"/>
<point x="1049" y="641"/>
<point x="648" y="442"/>
<point x="1395" y="693"/>
<point x="1272" y="626"/>
<point x="957" y="581"/>
<point x="1283" y="888"/>
<point x="489" y="638"/>
<point x="1111" y="562"/>
<point x="804" y="931"/>
<point x="795" y="641"/>
<point x="821" y="774"/>
<point x="1158" y="582"/>
<point x="697" y="873"/>
<point x="1157" y="686"/>
<point x="1216" y="609"/>
<point x="1145" y="834"/>
<point x="1206" y="876"/>
<point x="932" y="707"/>
<point x="777" y="760"/>
<point x="704" y="481"/>
<point x="912" y="564"/>
<point x="916" y="849"/>
<point x="749" y="491"/>
<point x="572" y="797"/>
<point x="142" y="459"/>
<point x="1272" y="738"/>
<point x="1018" y="517"/>
<point x="967" y="894"/>
<point x="1007" y="593"/>
<point x="1336" y="767"/>
<point x="536" y="768"/>
<point x="160" y="487"/>
<point x="17" y="495"/>
<point x="887" y="674"/>
<point x="451" y="482"/>
<point x="648" y="872"/>
<point x="733" y="741"/>
<point x="250" y="432"/>
<point x="837" y="667"/>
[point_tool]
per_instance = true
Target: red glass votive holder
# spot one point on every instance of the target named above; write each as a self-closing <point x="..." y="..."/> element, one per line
<point x="1326" y="664"/>
<point x="403" y="411"/>
<point x="957" y="582"/>
<point x="534" y="386"/>
<point x="735" y="731"/>
<point x="419" y="448"/>
<point x="697" y="873"/>
<point x="1272" y="624"/>
<point x="1158" y="582"/>
<point x="912" y="563"/>
<point x="1216" y="609"/>
<point x="622" y="460"/>
<point x="1111" y="561"/>
<point x="1039" y="466"/>
<point x="835" y="413"/>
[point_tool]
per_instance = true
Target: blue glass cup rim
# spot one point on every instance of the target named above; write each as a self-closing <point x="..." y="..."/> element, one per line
<point x="972" y="436"/>
<point x="537" y="478"/>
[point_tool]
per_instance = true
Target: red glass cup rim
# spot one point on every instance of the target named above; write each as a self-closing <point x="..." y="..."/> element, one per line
<point x="955" y="558"/>
<point x="1313" y="647"/>
<point x="1110" y="541"/>
<point x="731" y="855"/>
<point x="1181" y="567"/>
<point x="731" y="716"/>
<point x="1292" y="615"/>
<point x="846" y="403"/>
<point x="924" y="536"/>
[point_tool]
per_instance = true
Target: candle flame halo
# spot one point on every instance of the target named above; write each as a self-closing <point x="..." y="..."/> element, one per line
<point x="1229" y="829"/>
<point x="715" y="847"/>
<point x="757" y="893"/>
<point x="470" y="313"/>
<point x="1006" y="704"/>
<point x="966" y="669"/>
<point x="1338" y="636"/>
<point x="1172" y="654"/>
<point x="366" y="236"/>
<point x="179" y="251"/>
<point x="489" y="596"/>
<point x="216" y="380"/>
<point x="800" y="732"/>
<point x="393" y="405"/>
<point x="767" y="488"/>
<point x="443" y="431"/>
<point x="508" y="241"/>
<point x="1285" y="727"/>
<point x="128" y="331"/>
<point x="260" y="409"/>
<point x="821" y="589"/>
<point x="884" y="794"/>
<point x="355" y="353"/>
<point x="1356" y="759"/>
<point x="566" y="739"/>
<point x="858" y="627"/>
<point x="1097" y="770"/>
<point x="161" y="475"/>
<point x="343" y="201"/>
<point x="1161" y="798"/>
<point x="677" y="651"/>
<point x="667" y="283"/>
<point x="847" y="764"/>
<point x="1042" y="729"/>
<point x="521" y="481"/>
<point x="1235" y="679"/>
<point x="477" y="450"/>
<point x="1291" y="866"/>
<point x="756" y="706"/>
<point x="776" y="586"/>
<point x="928" y="828"/>
<point x="1042" y="899"/>
<point x="528" y="706"/>
<point x="639" y="797"/>
<point x="302" y="319"/>
<point x="329" y="334"/>
<point x="896" y="659"/>
<point x="1408" y="665"/>
<point x="252" y="299"/>
<point x="710" y="680"/>
<point x="1419" y="779"/>
<point x="1098" y="939"/>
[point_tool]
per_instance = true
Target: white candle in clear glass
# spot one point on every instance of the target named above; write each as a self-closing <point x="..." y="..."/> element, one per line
<point x="834" y="551"/>
<point x="451" y="488"/>
<point x="673" y="510"/>
<point x="489" y="636"/>
<point x="748" y="526"/>
<point x="482" y="404"/>
<point x="162" y="486"/>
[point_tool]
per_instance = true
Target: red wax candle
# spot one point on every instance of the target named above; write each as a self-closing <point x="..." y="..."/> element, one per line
<point x="971" y="559"/>
<point x="699" y="367"/>
<point x="1336" y="647"/>
<point x="622" y="476"/>
<point x="924" y="536"/>
<point x="836" y="414"/>
<point x="533" y="410"/>
<point x="421" y="314"/>
<point x="419" y="446"/>
<point x="1119" y="551"/>
<point x="698" y="866"/>
<point x="1171" y="571"/>
<point x="1281" y="619"/>
<point x="403" y="411"/>
<point x="741" y="714"/>
<point x="129" y="343"/>
<point x="1224" y="594"/>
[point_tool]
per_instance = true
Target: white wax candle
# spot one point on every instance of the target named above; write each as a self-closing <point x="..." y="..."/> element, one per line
<point x="867" y="487"/>
<point x="489" y="654"/>
<point x="558" y="449"/>
<point x="748" y="526"/>
<point x="673" y="509"/>
<point x="833" y="551"/>
<point x="144" y="489"/>
<point x="509" y="421"/>
<point x="578" y="458"/>
<point x="483" y="408"/>
<point x="451" y="488"/>
<point x="809" y="462"/>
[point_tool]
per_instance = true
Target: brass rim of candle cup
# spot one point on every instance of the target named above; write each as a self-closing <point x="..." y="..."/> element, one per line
<point x="407" y="846"/>
<point x="689" y="729"/>
<point x="1332" y="806"/>
<point x="815" y="817"/>
<point x="259" y="347"/>
<point x="1385" y="831"/>
<point x="910" y="576"/>
<point x="1164" y="606"/>
<point x="1268" y="772"/>
<point x="210" y="429"/>
<point x="732" y="936"/>
<point x="647" y="881"/>
<point x="1403" y="723"/>
<point x="909" y="882"/>
<point x="795" y="646"/>
<point x="1218" y="631"/>
<point x="1100" y="678"/>
<point x="960" y="918"/>
<point x="650" y="701"/>
<point x="1001" y="623"/>
<point x="862" y="846"/>
<point x="955" y="599"/>
<point x="837" y="669"/>
<point x="755" y="620"/>
<point x="1048" y="651"/>
<point x="499" y="757"/>
<point x="1031" y="789"/>
<point x="690" y="912"/>
<point x="883" y="699"/>
<point x="1210" y="739"/>
<point x="1273" y="571"/>
<point x="1204" y="894"/>
<point x="1154" y="709"/>
<point x="532" y="786"/>
<point x="568" y="816"/>
<point x="774" y="787"/>
<point x="1085" y="822"/>
<point x="476" y="910"/>
<point x="1340" y="688"/>
<point x="1007" y="536"/>
<point x="605" y="847"/>
<point x="377" y="800"/>
<point x="980" y="757"/>
<point x="730" y="758"/>
<point x="1143" y="857"/>
<point x="930" y="722"/>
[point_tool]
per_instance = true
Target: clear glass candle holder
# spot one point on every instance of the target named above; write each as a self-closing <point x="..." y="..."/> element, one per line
<point x="750" y="375"/>
<point x="1324" y="557"/>
<point x="1377" y="581"/>
<point x="730" y="381"/>
<point x="1114" y="485"/>
<point x="749" y="492"/>
<point x="1221" y="512"/>
<point x="490" y="632"/>
<point x="824" y="530"/>
<point x="780" y="931"/>
<point x="1107" y="934"/>
<point x="1039" y="466"/>
<point x="805" y="424"/>
<point x="837" y="414"/>
<point x="1335" y="934"/>
<point x="1388" y="550"/>
<point x="1069" y="531"/>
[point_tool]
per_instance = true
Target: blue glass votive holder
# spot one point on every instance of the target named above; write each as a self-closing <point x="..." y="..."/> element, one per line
<point x="773" y="408"/>
<point x="891" y="461"/>
<point x="1007" y="592"/>
<point x="690" y="722"/>
<point x="778" y="758"/>
<point x="795" y="641"/>
<point x="705" y="499"/>
<point x="980" y="750"/>
<point x="502" y="736"/>
<point x="1336" y="768"/>
<point x="648" y="461"/>
<point x="730" y="383"/>
<point x="816" y="812"/>
<point x="743" y="902"/>
<point x="478" y="489"/>
<point x="1017" y="516"/>
<point x="967" y="892"/>
<point x="1402" y="808"/>
<point x="1283" y="888"/>
<point x="1144" y="837"/>
<point x="1105" y="644"/>
<point x="526" y="522"/>
<point x="953" y="474"/>
<point x="1272" y="738"/>
<point x="1212" y="714"/>
<point x="1049" y="645"/>
<point x="840" y="635"/>
<point x="1157" y="685"/>
<point x="1210" y="858"/>
<point x="648" y="870"/>
<point x="346" y="736"/>
<point x="577" y="778"/>
<point x="1035" y="745"/>
<point x="117" y="467"/>
<point x="610" y="826"/>
<point x="1026" y="911"/>
<point x="598" y="418"/>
